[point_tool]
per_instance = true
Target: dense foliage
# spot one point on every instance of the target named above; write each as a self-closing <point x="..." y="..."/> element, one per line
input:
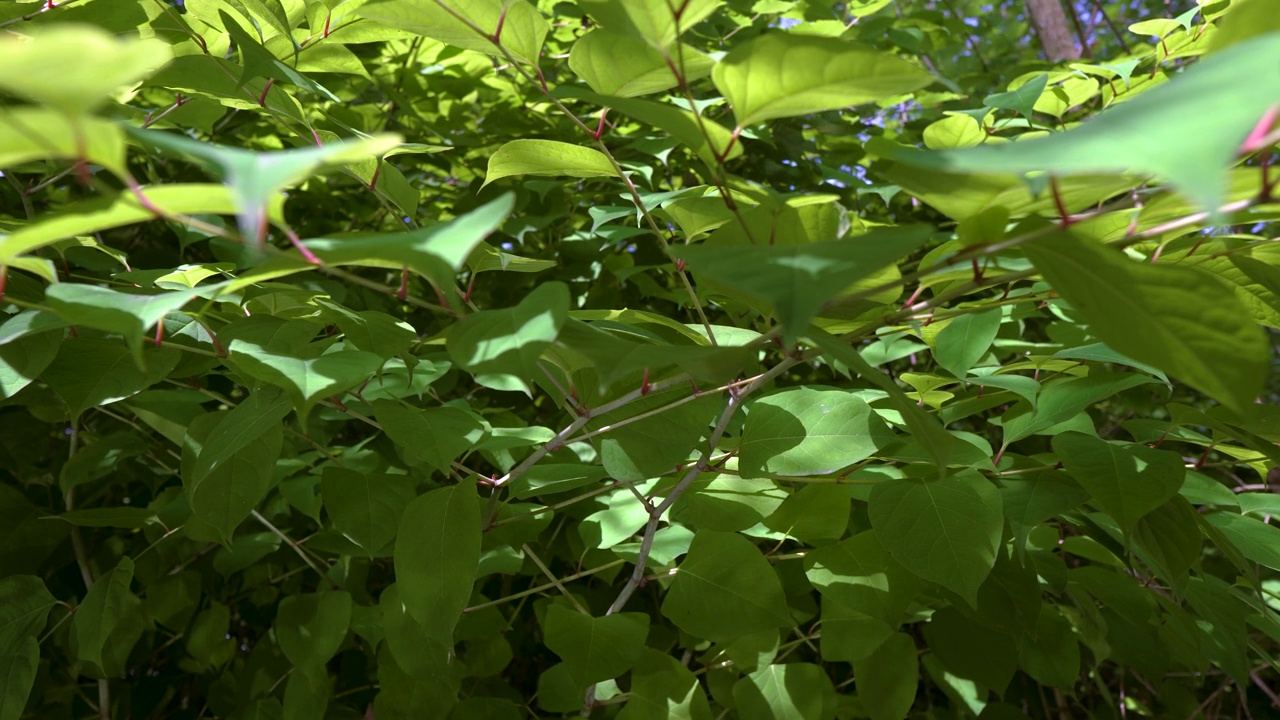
<point x="757" y="359"/>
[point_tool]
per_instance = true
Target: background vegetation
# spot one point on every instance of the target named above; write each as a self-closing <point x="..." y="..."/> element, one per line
<point x="488" y="359"/>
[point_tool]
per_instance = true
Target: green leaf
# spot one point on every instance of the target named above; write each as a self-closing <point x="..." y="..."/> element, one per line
<point x="24" y="607"/>
<point x="100" y="213"/>
<point x="613" y="63"/>
<point x="76" y="68"/>
<point x="547" y="158"/>
<point x="808" y="431"/>
<point x="509" y="341"/>
<point x="1244" y="20"/>
<point x="22" y="360"/>
<point x="970" y="650"/>
<point x="255" y="178"/>
<point x="436" y="251"/>
<point x="664" y="689"/>
<point x="435" y="436"/>
<point x="127" y="314"/>
<point x="859" y="574"/>
<point x="1256" y="540"/>
<point x="255" y="416"/>
<point x="24" y="610"/>
<point x="725" y="589"/>
<point x="595" y="648"/>
<point x="307" y="693"/>
<point x="1051" y="654"/>
<point x="102" y="612"/>
<point x="18" y="666"/>
<point x="468" y="25"/>
<point x="60" y="136"/>
<point x="371" y="331"/>
<point x="208" y="641"/>
<point x="1179" y="319"/>
<point x="794" y="281"/>
<point x="653" y="20"/>
<point x="1126" y="480"/>
<point x="89" y="372"/>
<point x="270" y="11"/>
<point x="437" y="555"/>
<point x="116" y="517"/>
<point x="791" y="691"/>
<point x="311" y="627"/>
<point x="813" y="513"/>
<point x="1217" y="101"/>
<point x="888" y="678"/>
<point x="679" y="122"/>
<point x="1168" y="540"/>
<point x="849" y="635"/>
<point x="257" y="61"/>
<point x="652" y="446"/>
<point x="785" y="75"/>
<point x="937" y="443"/>
<point x="366" y="508"/>
<point x="946" y="531"/>
<point x="965" y="339"/>
<point x="1062" y="400"/>
<point x="225" y="496"/>
<point x="306" y="380"/>
<point x="1022" y="99"/>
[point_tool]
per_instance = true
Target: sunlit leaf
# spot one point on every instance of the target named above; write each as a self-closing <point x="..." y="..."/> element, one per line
<point x="783" y="75"/>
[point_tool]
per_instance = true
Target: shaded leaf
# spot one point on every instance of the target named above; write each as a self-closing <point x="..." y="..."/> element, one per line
<point x="595" y="648"/>
<point x="437" y="554"/>
<point x="946" y="531"/>
<point x="725" y="589"/>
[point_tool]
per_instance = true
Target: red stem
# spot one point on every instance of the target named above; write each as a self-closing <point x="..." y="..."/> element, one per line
<point x="262" y="99"/>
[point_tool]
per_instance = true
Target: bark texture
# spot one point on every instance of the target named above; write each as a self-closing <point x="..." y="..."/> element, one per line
<point x="1051" y="25"/>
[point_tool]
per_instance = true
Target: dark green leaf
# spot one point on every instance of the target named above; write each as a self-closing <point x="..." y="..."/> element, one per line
<point x="595" y="649"/>
<point x="437" y="554"/>
<point x="944" y="530"/>
<point x="725" y="589"/>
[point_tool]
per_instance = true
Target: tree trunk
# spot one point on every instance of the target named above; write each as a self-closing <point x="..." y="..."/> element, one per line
<point x="1051" y="25"/>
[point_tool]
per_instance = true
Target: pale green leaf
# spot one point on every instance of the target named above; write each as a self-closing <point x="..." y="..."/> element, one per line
<point x="1180" y="319"/>
<point x="255" y="178"/>
<point x="617" y="64"/>
<point x="1217" y="101"/>
<point x="29" y="134"/>
<point x="90" y="216"/>
<point x="808" y="431"/>
<point x="547" y="158"/>
<point x="75" y="68"/>
<point x="468" y="24"/>
<point x="652" y="20"/>
<point x="784" y="75"/>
